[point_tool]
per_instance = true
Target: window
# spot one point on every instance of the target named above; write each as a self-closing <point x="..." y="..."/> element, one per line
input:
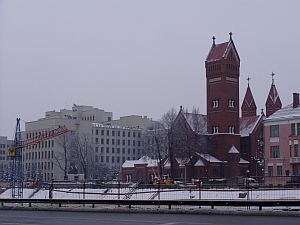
<point x="133" y="142"/>
<point x="123" y="142"/>
<point x="101" y="158"/>
<point x="123" y="150"/>
<point x="107" y="150"/>
<point x="102" y="132"/>
<point x="128" y="141"/>
<point x="133" y="134"/>
<point x="102" y="141"/>
<point x="291" y="151"/>
<point x="102" y="149"/>
<point x="274" y="131"/>
<point x="113" y="133"/>
<point x="293" y="129"/>
<point x="97" y="132"/>
<point x="279" y="170"/>
<point x="128" y="150"/>
<point x="215" y="129"/>
<point x="112" y="150"/>
<point x="119" y="141"/>
<point x="215" y="103"/>
<point x="123" y="133"/>
<point x="97" y="140"/>
<point x="298" y="128"/>
<point x="118" y="150"/>
<point x="231" y="129"/>
<point x="118" y="159"/>
<point x="113" y="141"/>
<point x="112" y="159"/>
<point x="96" y="149"/>
<point x="139" y="135"/>
<point x="296" y="147"/>
<point x="107" y="133"/>
<point x="119" y="133"/>
<point x="107" y="141"/>
<point x="107" y="159"/>
<point x="128" y="133"/>
<point x="274" y="152"/>
<point x="270" y="171"/>
<point x="231" y="103"/>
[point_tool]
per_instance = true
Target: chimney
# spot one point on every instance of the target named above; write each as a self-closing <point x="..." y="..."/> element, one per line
<point x="295" y="100"/>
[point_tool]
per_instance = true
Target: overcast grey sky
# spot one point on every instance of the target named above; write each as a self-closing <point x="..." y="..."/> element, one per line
<point x="137" y="57"/>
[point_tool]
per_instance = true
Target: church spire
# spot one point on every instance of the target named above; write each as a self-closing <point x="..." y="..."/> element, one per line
<point x="273" y="102"/>
<point x="248" y="107"/>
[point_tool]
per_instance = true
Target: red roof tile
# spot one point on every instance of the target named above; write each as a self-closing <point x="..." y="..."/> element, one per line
<point x="217" y="51"/>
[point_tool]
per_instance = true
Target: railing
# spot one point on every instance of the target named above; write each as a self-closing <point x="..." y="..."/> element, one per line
<point x="169" y="203"/>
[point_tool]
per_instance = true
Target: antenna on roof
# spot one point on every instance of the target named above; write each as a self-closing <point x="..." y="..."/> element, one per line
<point x="230" y="36"/>
<point x="214" y="39"/>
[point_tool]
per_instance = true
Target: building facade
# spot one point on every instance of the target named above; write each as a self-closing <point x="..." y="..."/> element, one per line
<point x="5" y="144"/>
<point x="282" y="137"/>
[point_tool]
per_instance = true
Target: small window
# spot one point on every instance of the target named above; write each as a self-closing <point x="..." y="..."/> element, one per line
<point x="274" y="152"/>
<point x="274" y="131"/>
<point x="270" y="171"/>
<point x="215" y="103"/>
<point x="279" y="170"/>
<point x="231" y="103"/>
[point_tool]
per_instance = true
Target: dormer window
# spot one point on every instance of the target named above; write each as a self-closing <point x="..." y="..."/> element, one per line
<point x="231" y="103"/>
<point x="215" y="103"/>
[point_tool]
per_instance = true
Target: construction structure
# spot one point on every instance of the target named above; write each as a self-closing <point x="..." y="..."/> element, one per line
<point x="15" y="154"/>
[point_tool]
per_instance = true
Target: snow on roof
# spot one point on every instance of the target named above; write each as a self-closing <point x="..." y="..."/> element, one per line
<point x="286" y="113"/>
<point x="143" y="160"/>
<point x="210" y="158"/>
<point x="198" y="122"/>
<point x="243" y="161"/>
<point x="199" y="163"/>
<point x="248" y="124"/>
<point x="233" y="150"/>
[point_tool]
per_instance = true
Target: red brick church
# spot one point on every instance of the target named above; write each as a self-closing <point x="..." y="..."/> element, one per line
<point x="220" y="144"/>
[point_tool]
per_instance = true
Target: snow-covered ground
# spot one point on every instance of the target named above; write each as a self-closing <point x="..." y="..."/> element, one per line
<point x="163" y="194"/>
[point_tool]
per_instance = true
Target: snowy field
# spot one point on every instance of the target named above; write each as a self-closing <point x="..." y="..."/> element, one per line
<point x="163" y="194"/>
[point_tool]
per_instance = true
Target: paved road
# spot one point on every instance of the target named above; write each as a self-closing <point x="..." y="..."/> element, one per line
<point x="14" y="217"/>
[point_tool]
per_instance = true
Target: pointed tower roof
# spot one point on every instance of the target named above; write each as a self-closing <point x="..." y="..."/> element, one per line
<point x="273" y="102"/>
<point x="248" y="106"/>
<point x="220" y="51"/>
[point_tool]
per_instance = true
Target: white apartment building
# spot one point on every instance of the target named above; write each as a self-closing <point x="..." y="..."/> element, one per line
<point x="113" y="145"/>
<point x="46" y="160"/>
<point x="95" y="141"/>
<point x="5" y="144"/>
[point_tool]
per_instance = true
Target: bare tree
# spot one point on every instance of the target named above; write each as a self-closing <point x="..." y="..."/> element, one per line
<point x="156" y="144"/>
<point x="63" y="157"/>
<point x="83" y="151"/>
<point x="168" y="121"/>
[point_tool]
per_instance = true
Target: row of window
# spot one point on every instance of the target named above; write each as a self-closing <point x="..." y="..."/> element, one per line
<point x="112" y="159"/>
<point x="118" y="150"/>
<point x="295" y="130"/>
<point x="271" y="172"/>
<point x="118" y="133"/>
<point x="42" y="144"/>
<point x="3" y="146"/>
<point x="117" y="142"/>
<point x="38" y="155"/>
<point x="216" y="103"/>
<point x="275" y="152"/>
<point x="231" y="129"/>
<point x="39" y="166"/>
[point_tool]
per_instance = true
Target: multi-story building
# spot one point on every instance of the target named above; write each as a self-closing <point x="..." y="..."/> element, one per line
<point x="113" y="145"/>
<point x="52" y="158"/>
<point x="5" y="144"/>
<point x="282" y="137"/>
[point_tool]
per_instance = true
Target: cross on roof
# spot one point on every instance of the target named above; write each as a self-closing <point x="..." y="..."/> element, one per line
<point x="272" y="74"/>
<point x="214" y="38"/>
<point x="248" y="79"/>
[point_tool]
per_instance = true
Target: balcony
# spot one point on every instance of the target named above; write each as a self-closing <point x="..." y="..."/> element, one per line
<point x="295" y="160"/>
